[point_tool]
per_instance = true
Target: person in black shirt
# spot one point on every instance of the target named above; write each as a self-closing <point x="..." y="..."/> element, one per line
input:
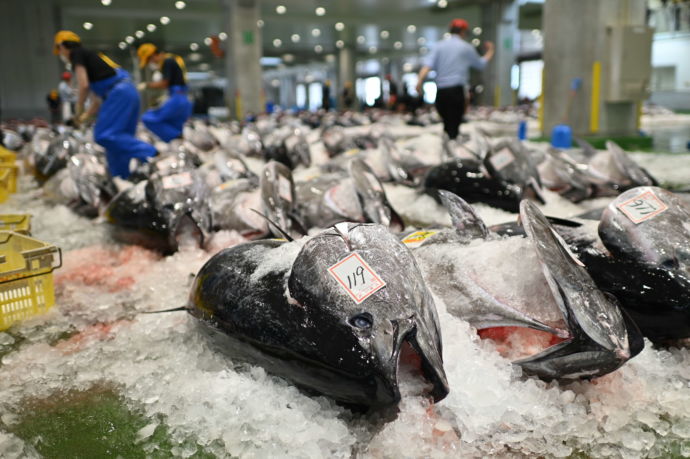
<point x="113" y="97"/>
<point x="326" y="95"/>
<point x="53" y="99"/>
<point x="168" y="120"/>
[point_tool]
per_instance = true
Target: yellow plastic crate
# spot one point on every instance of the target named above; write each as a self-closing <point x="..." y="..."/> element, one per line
<point x="19" y="223"/>
<point x="4" y="184"/>
<point x="7" y="156"/>
<point x="26" y="277"/>
<point x="13" y="172"/>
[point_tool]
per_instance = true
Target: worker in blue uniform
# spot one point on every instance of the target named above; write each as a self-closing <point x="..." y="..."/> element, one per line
<point x="113" y="97"/>
<point x="167" y="120"/>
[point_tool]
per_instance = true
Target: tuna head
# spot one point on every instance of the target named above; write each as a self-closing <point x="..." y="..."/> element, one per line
<point x="601" y="338"/>
<point x="510" y="162"/>
<point x="366" y="301"/>
<point x="647" y="232"/>
<point x="648" y="225"/>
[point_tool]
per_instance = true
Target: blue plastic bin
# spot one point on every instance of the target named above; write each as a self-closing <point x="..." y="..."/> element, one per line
<point x="562" y="136"/>
<point x="522" y="130"/>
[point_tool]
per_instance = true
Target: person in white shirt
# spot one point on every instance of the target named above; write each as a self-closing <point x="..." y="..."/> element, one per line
<point x="452" y="59"/>
<point x="68" y="96"/>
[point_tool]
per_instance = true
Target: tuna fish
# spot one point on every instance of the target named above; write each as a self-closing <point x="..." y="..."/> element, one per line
<point x="536" y="282"/>
<point x="332" y="313"/>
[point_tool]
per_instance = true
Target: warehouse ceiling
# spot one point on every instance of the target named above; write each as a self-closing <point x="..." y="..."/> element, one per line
<point x="304" y="30"/>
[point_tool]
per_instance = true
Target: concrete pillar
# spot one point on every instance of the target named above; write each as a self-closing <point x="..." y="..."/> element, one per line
<point x="500" y="25"/>
<point x="346" y="71"/>
<point x="243" y="69"/>
<point x="29" y="68"/>
<point x="595" y="81"/>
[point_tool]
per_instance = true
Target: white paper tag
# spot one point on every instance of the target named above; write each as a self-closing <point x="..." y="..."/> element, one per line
<point x="502" y="159"/>
<point x="356" y="277"/>
<point x="417" y="238"/>
<point x="284" y="188"/>
<point x="642" y="207"/>
<point x="177" y="180"/>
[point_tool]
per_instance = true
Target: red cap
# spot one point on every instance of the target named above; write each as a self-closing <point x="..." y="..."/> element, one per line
<point x="66" y="76"/>
<point x="459" y="24"/>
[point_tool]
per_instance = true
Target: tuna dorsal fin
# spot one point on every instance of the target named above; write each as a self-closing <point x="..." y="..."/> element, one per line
<point x="372" y="196"/>
<point x="465" y="219"/>
<point x="587" y="147"/>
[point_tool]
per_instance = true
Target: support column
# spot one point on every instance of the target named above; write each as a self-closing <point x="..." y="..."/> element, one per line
<point x="595" y="83"/>
<point x="500" y="25"/>
<point x="243" y="68"/>
<point x="346" y="72"/>
<point x="30" y="70"/>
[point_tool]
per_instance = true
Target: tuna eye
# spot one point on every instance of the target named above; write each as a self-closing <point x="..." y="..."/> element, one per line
<point x="363" y="321"/>
<point x="670" y="263"/>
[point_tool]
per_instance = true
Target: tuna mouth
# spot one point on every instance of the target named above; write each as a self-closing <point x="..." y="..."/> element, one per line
<point x="517" y="343"/>
<point x="416" y="375"/>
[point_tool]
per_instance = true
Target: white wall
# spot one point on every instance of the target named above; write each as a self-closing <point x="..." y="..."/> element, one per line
<point x="669" y="50"/>
<point x="673" y="50"/>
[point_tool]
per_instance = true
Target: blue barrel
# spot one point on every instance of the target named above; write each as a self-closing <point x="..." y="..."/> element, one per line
<point x="522" y="130"/>
<point x="562" y="136"/>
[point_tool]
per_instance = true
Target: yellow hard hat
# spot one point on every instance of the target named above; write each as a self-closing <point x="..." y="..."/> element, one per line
<point x="145" y="51"/>
<point x="64" y="35"/>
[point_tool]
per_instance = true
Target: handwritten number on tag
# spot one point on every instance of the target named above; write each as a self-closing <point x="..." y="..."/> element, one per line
<point x="643" y="207"/>
<point x="355" y="276"/>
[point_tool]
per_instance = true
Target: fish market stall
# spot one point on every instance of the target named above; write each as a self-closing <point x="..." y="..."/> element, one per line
<point x="117" y="369"/>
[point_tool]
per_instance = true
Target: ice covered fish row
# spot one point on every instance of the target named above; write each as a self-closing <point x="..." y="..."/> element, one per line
<point x="489" y="409"/>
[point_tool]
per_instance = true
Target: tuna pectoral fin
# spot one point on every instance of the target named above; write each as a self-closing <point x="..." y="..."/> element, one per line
<point x="181" y="308"/>
<point x="465" y="220"/>
<point x="272" y="224"/>
<point x="574" y="359"/>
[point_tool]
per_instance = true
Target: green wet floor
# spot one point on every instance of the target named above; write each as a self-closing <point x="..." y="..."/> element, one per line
<point x="627" y="143"/>
<point x="92" y="424"/>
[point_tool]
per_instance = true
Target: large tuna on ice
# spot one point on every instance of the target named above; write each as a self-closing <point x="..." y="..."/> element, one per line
<point x="501" y="179"/>
<point x="533" y="282"/>
<point x="332" y="313"/>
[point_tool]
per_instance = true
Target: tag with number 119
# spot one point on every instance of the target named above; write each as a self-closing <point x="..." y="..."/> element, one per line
<point x="356" y="277"/>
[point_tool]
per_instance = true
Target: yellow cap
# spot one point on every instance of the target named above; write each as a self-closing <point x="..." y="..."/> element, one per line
<point x="145" y="52"/>
<point x="64" y="35"/>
